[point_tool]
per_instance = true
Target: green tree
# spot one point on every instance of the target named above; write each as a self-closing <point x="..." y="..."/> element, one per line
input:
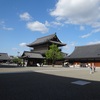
<point x="53" y="53"/>
<point x="17" y="60"/>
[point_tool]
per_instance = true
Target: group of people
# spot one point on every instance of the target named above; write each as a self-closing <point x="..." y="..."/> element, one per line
<point x="92" y="68"/>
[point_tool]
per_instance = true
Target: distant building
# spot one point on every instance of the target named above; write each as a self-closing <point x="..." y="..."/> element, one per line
<point x="4" y="57"/>
<point x="39" y="48"/>
<point x="85" y="55"/>
<point x="32" y="58"/>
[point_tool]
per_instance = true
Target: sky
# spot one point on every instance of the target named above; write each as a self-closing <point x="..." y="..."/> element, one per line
<point x="76" y="23"/>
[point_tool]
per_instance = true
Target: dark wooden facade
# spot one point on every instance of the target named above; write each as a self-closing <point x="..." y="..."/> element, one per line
<point x="85" y="54"/>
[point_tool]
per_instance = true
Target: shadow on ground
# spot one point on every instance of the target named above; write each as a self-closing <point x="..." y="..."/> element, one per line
<point x="10" y="66"/>
<point x="39" y="86"/>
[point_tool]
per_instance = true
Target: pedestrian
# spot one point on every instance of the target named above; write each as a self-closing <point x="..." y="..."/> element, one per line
<point x="90" y="68"/>
<point x="93" y="67"/>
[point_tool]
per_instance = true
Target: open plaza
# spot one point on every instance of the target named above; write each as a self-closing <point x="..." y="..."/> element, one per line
<point x="50" y="50"/>
<point x="49" y="83"/>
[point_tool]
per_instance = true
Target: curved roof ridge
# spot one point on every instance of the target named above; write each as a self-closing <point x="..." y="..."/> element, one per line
<point x="88" y="45"/>
<point x="44" y="39"/>
<point x="52" y="35"/>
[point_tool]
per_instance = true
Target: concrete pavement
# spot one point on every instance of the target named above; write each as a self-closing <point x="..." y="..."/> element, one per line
<point x="48" y="83"/>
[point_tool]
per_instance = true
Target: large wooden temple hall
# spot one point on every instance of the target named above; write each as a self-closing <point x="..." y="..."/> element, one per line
<point x="87" y="54"/>
<point x="39" y="48"/>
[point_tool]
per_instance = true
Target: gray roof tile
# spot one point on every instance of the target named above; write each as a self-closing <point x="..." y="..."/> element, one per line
<point x="45" y="39"/>
<point x="88" y="51"/>
<point x="32" y="55"/>
<point x="4" y="56"/>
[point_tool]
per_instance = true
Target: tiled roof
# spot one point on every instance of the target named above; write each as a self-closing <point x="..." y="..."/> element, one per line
<point x="32" y="55"/>
<point x="44" y="40"/>
<point x="4" y="56"/>
<point x="88" y="51"/>
<point x="55" y="42"/>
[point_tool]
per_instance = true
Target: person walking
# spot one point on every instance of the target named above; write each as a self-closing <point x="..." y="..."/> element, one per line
<point x="93" y="67"/>
<point x="90" y="67"/>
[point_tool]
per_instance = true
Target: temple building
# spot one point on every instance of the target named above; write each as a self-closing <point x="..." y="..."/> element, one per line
<point x="4" y="57"/>
<point x="39" y="48"/>
<point x="84" y="55"/>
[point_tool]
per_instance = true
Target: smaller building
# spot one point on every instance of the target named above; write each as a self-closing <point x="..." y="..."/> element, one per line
<point x="4" y="57"/>
<point x="32" y="58"/>
<point x="85" y="55"/>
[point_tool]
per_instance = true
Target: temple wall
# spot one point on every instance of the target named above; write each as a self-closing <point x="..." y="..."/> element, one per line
<point x="41" y="48"/>
<point x="97" y="64"/>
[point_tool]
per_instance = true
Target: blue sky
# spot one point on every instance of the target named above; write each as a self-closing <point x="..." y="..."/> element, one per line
<point x="76" y="23"/>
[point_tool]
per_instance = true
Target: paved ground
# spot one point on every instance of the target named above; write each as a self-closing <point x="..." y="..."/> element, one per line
<point x="47" y="83"/>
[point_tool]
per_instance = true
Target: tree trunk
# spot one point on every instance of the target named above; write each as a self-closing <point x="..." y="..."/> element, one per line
<point x="53" y="63"/>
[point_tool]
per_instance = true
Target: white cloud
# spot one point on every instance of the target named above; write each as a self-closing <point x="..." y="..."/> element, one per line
<point x="22" y="44"/>
<point x="34" y="25"/>
<point x="77" y="11"/>
<point x="3" y="26"/>
<point x="86" y="35"/>
<point x="96" y="25"/>
<point x="7" y="28"/>
<point x="47" y="23"/>
<point x="82" y="28"/>
<point x="56" y="23"/>
<point x="25" y="16"/>
<point x="92" y="32"/>
<point x="15" y="49"/>
<point x="53" y="24"/>
<point x="96" y="30"/>
<point x="95" y="42"/>
<point x="37" y="26"/>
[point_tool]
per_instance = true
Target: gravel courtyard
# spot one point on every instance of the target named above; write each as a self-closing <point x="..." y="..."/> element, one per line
<point x="48" y="83"/>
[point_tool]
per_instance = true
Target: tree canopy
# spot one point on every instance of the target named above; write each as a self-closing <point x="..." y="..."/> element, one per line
<point x="53" y="53"/>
